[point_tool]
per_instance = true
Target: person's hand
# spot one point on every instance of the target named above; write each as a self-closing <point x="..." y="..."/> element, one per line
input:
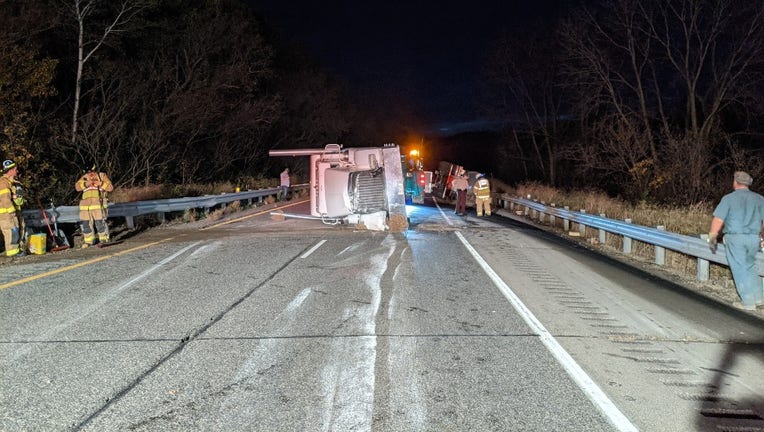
<point x="18" y="201"/>
<point x="712" y="241"/>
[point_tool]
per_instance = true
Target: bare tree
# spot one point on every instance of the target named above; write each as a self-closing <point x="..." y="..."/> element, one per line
<point x="655" y="79"/>
<point x="523" y="77"/>
<point x="87" y="46"/>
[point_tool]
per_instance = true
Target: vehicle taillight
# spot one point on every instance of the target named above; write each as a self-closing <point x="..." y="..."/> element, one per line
<point x="422" y="180"/>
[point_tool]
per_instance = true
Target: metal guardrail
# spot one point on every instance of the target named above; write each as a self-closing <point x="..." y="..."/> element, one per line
<point x="129" y="210"/>
<point x="687" y="245"/>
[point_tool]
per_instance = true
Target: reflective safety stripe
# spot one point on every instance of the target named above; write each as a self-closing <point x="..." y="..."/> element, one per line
<point x="482" y="189"/>
<point x="5" y="191"/>
<point x="90" y="193"/>
<point x="12" y="251"/>
<point x="6" y="210"/>
<point x="91" y="207"/>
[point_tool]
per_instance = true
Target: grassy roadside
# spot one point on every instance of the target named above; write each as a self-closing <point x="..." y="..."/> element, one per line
<point x="691" y="221"/>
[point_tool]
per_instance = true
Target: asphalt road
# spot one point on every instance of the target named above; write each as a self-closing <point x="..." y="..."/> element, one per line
<point x="458" y="324"/>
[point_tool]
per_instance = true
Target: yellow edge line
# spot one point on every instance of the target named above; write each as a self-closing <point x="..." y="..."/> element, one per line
<point x="79" y="264"/>
<point x="253" y="215"/>
<point x="127" y="251"/>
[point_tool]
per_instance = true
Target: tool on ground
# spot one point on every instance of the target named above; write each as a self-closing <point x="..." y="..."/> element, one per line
<point x="109" y="243"/>
<point x="56" y="246"/>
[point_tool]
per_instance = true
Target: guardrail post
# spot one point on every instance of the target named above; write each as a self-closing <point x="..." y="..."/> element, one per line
<point x="533" y="213"/>
<point x="602" y="233"/>
<point x="551" y="217"/>
<point x="704" y="266"/>
<point x="160" y="217"/>
<point x="660" y="252"/>
<point x="627" y="241"/>
<point x="566" y="222"/>
<point x="541" y="214"/>
<point x="582" y="227"/>
<point x="130" y="222"/>
<point x="526" y="212"/>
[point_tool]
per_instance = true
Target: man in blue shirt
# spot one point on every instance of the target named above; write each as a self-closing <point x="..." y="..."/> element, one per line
<point x="741" y="213"/>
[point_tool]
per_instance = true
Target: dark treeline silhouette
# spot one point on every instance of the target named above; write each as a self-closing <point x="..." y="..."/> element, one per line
<point x="656" y="100"/>
<point x="161" y="92"/>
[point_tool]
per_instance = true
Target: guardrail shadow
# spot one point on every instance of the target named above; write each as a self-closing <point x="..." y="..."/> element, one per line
<point x="729" y="413"/>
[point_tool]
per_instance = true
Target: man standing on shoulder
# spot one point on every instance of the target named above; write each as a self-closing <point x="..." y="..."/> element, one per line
<point x="10" y="210"/>
<point x="284" y="183"/>
<point x="741" y="213"/>
<point x="482" y="190"/>
<point x="460" y="185"/>
<point x="93" y="206"/>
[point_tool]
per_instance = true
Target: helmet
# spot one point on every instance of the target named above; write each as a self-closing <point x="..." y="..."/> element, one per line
<point x="8" y="164"/>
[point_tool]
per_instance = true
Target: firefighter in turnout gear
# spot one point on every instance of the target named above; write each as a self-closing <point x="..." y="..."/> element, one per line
<point x="482" y="190"/>
<point x="10" y="210"/>
<point x="93" y="206"/>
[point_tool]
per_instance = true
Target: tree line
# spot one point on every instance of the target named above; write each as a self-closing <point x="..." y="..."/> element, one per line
<point x="159" y="91"/>
<point x="656" y="100"/>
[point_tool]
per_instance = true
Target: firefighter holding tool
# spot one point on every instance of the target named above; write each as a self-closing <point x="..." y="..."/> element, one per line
<point x="94" y="186"/>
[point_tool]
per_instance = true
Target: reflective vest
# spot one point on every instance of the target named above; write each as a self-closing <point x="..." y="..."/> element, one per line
<point x="93" y="185"/>
<point x="482" y="188"/>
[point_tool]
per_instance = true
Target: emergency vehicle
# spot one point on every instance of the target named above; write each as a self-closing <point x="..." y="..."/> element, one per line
<point x="418" y="182"/>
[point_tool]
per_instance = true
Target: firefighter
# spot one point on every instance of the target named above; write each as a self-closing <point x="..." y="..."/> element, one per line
<point x="93" y="206"/>
<point x="482" y="190"/>
<point x="10" y="210"/>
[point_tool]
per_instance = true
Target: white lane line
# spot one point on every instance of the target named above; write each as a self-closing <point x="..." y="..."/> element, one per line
<point x="590" y="388"/>
<point x="442" y="212"/>
<point x="313" y="249"/>
<point x="100" y="301"/>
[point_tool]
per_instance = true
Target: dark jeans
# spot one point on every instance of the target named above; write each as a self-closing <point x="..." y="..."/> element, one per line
<point x="461" y="201"/>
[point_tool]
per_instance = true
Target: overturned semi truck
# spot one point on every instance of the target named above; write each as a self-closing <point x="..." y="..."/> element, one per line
<point x="362" y="186"/>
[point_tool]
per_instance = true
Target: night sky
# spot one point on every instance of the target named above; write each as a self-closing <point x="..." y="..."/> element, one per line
<point x="428" y="52"/>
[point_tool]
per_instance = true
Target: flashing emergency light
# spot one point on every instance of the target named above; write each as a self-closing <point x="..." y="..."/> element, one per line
<point x="414" y="153"/>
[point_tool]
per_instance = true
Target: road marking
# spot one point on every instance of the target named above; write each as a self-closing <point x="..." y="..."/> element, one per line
<point x="99" y="301"/>
<point x="80" y="264"/>
<point x="137" y="248"/>
<point x="442" y="212"/>
<point x="313" y="249"/>
<point x="251" y="215"/>
<point x="574" y="370"/>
